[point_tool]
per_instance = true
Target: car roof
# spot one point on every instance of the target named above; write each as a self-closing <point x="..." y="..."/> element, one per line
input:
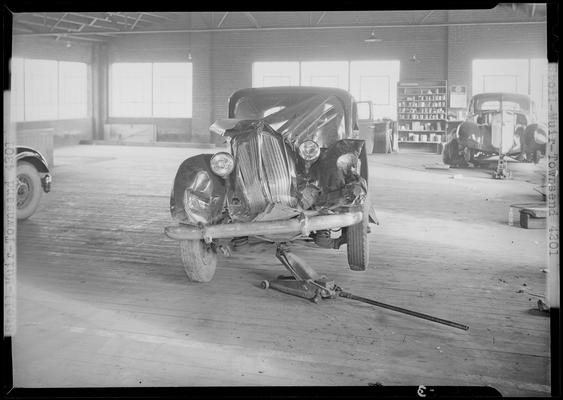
<point x="292" y="90"/>
<point x="343" y="96"/>
<point x="505" y="95"/>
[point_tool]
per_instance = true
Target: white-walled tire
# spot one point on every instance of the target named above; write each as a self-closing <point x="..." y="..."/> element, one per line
<point x="198" y="259"/>
<point x="29" y="190"/>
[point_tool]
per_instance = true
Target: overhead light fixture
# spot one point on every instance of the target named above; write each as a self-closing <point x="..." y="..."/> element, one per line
<point x="189" y="56"/>
<point x="68" y="44"/>
<point x="372" y="38"/>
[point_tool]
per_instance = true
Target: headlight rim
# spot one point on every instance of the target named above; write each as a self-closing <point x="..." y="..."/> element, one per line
<point x="305" y="157"/>
<point x="222" y="174"/>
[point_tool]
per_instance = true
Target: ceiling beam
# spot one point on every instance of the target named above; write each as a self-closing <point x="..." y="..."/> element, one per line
<point x="295" y="28"/>
<point x="426" y="16"/>
<point x="252" y="19"/>
<point x="321" y="18"/>
<point x="136" y="21"/>
<point x="34" y="23"/>
<point x="222" y="19"/>
<point x="83" y="38"/>
<point x="159" y="16"/>
<point x="58" y="21"/>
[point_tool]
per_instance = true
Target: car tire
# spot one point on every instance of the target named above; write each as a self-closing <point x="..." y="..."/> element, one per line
<point x="357" y="235"/>
<point x="358" y="244"/>
<point x="450" y="152"/>
<point x="29" y="190"/>
<point x="199" y="260"/>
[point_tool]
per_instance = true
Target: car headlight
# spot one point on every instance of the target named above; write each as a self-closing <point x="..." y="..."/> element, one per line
<point x="347" y="162"/>
<point x="309" y="150"/>
<point x="222" y="164"/>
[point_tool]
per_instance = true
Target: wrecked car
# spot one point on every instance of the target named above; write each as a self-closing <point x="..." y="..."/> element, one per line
<point x="33" y="178"/>
<point x="497" y="125"/>
<point x="295" y="172"/>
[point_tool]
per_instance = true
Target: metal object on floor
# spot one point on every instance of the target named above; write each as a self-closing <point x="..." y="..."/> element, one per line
<point x="305" y="282"/>
<point x="502" y="171"/>
<point x="347" y="295"/>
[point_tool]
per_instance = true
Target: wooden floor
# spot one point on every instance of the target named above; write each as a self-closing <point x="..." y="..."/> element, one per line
<point x="102" y="298"/>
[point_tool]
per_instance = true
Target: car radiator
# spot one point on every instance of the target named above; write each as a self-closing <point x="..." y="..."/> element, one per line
<point x="265" y="171"/>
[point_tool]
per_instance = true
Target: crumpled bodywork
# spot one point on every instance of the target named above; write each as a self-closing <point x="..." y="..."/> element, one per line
<point x="270" y="180"/>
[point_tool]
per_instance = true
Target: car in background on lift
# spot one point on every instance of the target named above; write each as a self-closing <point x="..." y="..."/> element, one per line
<point x="32" y="179"/>
<point x="498" y="125"/>
<point x="297" y="171"/>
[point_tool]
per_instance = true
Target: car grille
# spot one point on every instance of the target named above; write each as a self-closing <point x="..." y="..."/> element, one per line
<point x="265" y="171"/>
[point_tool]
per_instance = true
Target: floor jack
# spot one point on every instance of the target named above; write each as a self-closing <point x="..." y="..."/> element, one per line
<point x="502" y="171"/>
<point x="307" y="283"/>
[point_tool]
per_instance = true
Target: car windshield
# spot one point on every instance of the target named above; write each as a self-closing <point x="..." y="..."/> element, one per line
<point x="295" y="116"/>
<point x="508" y="103"/>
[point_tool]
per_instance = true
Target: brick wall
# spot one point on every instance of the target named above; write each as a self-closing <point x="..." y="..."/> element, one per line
<point x="222" y="61"/>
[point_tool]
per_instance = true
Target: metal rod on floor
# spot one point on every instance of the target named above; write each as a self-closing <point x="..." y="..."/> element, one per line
<point x="403" y="310"/>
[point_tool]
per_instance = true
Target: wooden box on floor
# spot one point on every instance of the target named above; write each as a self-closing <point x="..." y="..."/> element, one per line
<point x="528" y="221"/>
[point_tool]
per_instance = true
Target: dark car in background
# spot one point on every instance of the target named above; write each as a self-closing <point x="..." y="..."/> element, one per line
<point x="497" y="124"/>
<point x="296" y="171"/>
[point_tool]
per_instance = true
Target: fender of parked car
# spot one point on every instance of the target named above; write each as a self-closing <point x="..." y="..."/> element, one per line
<point x="32" y="156"/>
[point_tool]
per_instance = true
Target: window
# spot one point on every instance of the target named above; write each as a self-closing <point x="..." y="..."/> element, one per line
<point x="17" y="88"/>
<point x="538" y="86"/>
<point x="265" y="74"/>
<point x="161" y="90"/>
<point x="73" y="90"/>
<point x="130" y="88"/>
<point x="376" y="81"/>
<point x="325" y="74"/>
<point x="501" y="75"/>
<point x="526" y="76"/>
<point x="48" y="89"/>
<point x="41" y="90"/>
<point x="172" y="90"/>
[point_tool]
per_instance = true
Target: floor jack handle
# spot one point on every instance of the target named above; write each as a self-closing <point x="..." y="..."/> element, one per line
<point x="403" y="310"/>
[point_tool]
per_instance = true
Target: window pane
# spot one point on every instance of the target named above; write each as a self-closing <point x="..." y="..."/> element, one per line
<point x="275" y="74"/>
<point x="500" y="83"/>
<point x="172" y="90"/>
<point x="325" y="74"/>
<point x="130" y="90"/>
<point x="41" y="90"/>
<point x="376" y="81"/>
<point x="17" y="88"/>
<point x="538" y="86"/>
<point x="491" y="76"/>
<point x="73" y="81"/>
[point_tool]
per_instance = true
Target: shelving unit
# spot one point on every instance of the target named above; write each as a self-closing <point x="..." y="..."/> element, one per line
<point x="421" y="115"/>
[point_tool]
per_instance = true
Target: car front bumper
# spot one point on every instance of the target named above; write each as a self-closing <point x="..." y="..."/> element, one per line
<point x="304" y="225"/>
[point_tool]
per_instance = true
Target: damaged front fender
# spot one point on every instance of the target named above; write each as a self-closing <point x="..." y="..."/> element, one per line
<point x="198" y="194"/>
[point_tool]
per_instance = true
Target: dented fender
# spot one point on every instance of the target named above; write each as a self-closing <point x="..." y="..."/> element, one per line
<point x="209" y="186"/>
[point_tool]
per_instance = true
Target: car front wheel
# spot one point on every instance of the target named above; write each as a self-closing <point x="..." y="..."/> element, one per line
<point x="358" y="244"/>
<point x="199" y="260"/>
<point x="29" y="190"/>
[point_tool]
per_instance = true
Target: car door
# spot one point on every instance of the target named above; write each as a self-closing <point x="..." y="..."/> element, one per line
<point x="366" y="124"/>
